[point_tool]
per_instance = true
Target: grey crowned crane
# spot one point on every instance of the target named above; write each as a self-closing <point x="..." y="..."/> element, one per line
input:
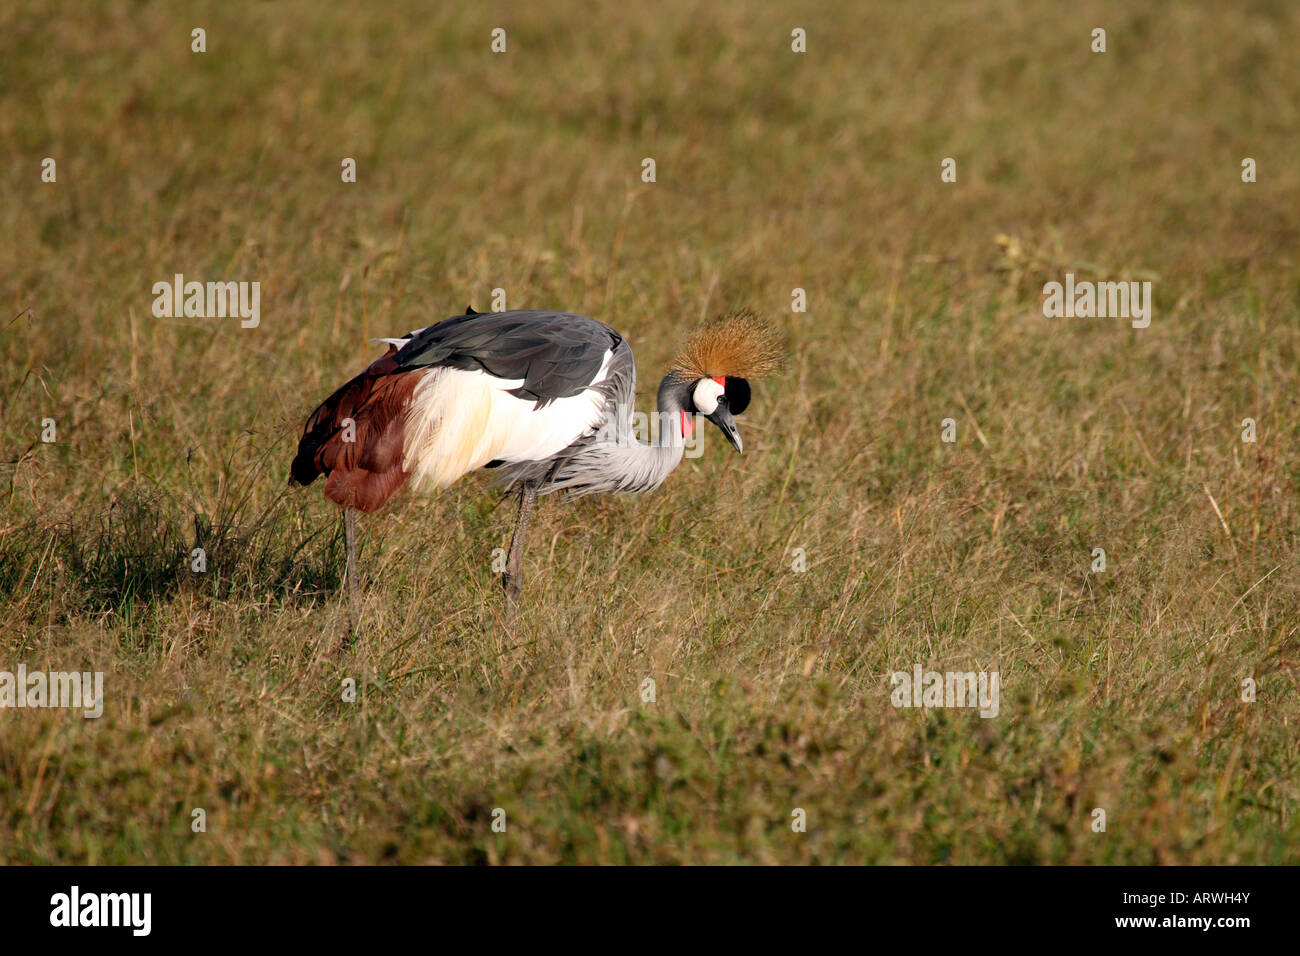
<point x="545" y="398"/>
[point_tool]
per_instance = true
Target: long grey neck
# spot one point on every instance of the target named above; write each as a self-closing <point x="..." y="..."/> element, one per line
<point x="616" y="460"/>
<point x="644" y="467"/>
<point x="656" y="461"/>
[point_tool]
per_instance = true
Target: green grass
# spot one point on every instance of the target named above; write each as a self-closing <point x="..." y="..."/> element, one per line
<point x="1120" y="690"/>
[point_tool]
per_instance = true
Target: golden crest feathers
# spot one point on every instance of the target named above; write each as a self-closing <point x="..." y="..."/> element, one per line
<point x="740" y="345"/>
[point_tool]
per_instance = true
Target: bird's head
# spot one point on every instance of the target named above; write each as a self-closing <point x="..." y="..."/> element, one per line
<point x="713" y="371"/>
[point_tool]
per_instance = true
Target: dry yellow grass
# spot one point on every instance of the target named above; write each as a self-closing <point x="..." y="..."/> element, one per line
<point x="775" y="171"/>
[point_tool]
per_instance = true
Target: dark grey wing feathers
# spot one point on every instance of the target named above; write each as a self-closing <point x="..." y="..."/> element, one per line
<point x="555" y="354"/>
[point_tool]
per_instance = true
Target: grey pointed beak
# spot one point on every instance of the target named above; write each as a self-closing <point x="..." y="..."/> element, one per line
<point x="727" y="425"/>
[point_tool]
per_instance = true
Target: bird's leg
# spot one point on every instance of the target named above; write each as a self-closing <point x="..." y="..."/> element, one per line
<point x="350" y="572"/>
<point x="511" y="580"/>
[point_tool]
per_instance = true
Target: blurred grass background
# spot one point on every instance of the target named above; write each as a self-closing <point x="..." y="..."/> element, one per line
<point x="1120" y="690"/>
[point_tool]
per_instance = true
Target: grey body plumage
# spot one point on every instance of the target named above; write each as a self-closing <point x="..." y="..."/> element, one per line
<point x="559" y="355"/>
<point x="610" y="458"/>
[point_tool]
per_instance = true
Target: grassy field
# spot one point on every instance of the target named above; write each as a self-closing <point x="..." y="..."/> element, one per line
<point x="1121" y="690"/>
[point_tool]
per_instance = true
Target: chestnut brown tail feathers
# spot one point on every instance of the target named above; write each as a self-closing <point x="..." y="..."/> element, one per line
<point x="361" y="459"/>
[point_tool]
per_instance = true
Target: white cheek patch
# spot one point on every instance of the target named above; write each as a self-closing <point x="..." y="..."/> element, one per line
<point x="707" y="393"/>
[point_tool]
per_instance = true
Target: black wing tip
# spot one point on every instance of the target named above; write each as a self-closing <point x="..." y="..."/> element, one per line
<point x="469" y="310"/>
<point x="302" y="471"/>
